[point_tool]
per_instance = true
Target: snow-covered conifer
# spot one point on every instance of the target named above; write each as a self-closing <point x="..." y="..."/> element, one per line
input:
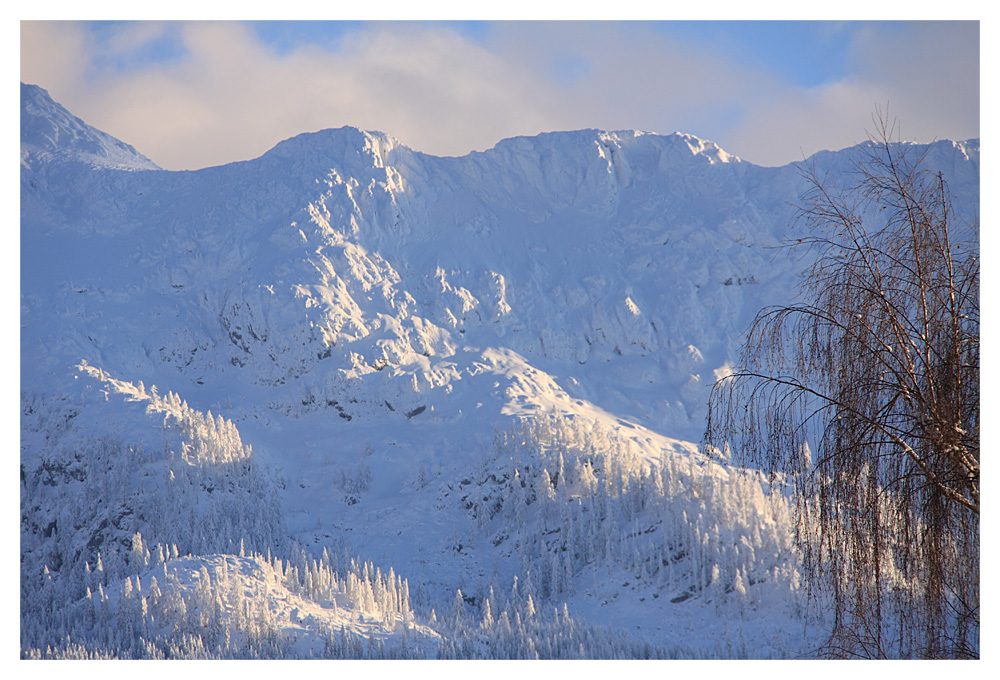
<point x="487" y="622"/>
<point x="458" y="607"/>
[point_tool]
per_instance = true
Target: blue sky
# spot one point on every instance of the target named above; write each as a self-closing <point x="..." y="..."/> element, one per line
<point x="204" y="93"/>
<point x="808" y="53"/>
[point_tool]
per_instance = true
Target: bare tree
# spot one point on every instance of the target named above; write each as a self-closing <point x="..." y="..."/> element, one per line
<point x="878" y="368"/>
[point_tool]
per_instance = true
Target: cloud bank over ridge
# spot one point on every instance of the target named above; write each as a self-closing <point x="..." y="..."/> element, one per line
<point x="194" y="94"/>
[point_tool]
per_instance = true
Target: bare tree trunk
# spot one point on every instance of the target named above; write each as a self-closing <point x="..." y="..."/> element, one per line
<point x="879" y="367"/>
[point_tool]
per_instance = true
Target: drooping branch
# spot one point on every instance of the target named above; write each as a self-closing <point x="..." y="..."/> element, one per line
<point x="879" y="367"/>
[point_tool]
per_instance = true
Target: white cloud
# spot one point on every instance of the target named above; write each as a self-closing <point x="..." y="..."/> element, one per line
<point x="231" y="98"/>
<point x="133" y="36"/>
<point x="926" y="74"/>
<point x="53" y="54"/>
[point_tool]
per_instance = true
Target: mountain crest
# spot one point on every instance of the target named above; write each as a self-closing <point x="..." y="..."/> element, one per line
<point x="486" y="374"/>
<point x="48" y="130"/>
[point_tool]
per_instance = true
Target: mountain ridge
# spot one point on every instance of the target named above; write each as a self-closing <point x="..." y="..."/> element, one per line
<point x="378" y="217"/>
<point x="436" y="360"/>
<point x="37" y="104"/>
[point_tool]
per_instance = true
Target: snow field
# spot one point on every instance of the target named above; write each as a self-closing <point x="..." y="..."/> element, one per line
<point x="385" y="379"/>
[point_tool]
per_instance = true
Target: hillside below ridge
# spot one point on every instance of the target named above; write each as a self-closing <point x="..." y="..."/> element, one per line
<point x="634" y="252"/>
<point x="402" y="338"/>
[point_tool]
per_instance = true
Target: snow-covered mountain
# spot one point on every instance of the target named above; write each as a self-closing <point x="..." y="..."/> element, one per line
<point x="485" y="373"/>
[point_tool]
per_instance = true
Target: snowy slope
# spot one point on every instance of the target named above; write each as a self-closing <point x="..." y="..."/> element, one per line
<point x="376" y="321"/>
<point x="49" y="132"/>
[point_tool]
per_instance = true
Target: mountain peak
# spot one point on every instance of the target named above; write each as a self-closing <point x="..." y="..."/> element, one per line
<point x="706" y="148"/>
<point x="678" y="144"/>
<point x="478" y="370"/>
<point x="339" y="142"/>
<point x="49" y="130"/>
